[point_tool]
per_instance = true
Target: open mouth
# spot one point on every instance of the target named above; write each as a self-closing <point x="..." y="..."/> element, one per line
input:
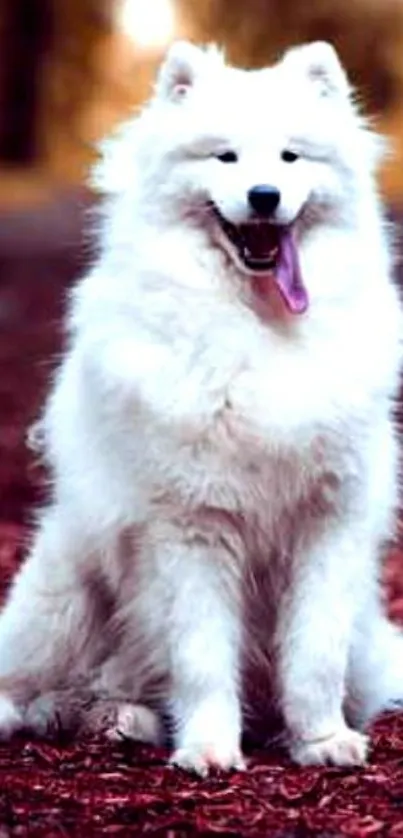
<point x="269" y="250"/>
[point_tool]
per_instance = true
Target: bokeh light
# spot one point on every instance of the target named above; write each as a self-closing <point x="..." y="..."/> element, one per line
<point x="149" y="23"/>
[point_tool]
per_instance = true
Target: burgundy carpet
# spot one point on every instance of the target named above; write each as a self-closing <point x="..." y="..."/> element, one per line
<point x="92" y="788"/>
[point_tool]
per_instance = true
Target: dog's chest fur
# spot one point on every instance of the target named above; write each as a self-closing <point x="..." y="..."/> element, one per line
<point x="268" y="435"/>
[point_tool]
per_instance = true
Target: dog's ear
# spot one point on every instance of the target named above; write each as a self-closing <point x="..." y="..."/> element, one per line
<point x="184" y="63"/>
<point x="321" y="65"/>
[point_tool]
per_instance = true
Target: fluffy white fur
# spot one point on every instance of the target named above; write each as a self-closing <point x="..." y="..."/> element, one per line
<point x="225" y="473"/>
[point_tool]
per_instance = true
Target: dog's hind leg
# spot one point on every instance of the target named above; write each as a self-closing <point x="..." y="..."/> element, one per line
<point x="78" y="710"/>
<point x="47" y="627"/>
<point x="375" y="674"/>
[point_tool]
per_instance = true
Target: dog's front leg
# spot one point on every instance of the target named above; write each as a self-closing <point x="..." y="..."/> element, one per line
<point x="314" y="636"/>
<point x="202" y="636"/>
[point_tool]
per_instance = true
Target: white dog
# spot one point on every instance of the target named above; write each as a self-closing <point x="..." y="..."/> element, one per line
<point x="219" y="433"/>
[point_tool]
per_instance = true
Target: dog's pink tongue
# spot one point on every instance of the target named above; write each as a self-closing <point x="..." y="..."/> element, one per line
<point x="287" y="275"/>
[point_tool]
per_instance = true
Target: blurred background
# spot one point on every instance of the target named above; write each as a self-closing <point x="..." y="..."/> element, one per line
<point x="69" y="71"/>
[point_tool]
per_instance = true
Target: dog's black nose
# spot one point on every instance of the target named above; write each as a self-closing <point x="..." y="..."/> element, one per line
<point x="264" y="199"/>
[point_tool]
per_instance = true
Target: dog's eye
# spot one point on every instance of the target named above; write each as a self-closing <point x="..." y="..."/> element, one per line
<point x="228" y="157"/>
<point x="289" y="156"/>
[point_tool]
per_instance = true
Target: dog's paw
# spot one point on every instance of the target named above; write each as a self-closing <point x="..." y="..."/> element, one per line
<point x="203" y="758"/>
<point x="136" y="722"/>
<point x="11" y="720"/>
<point x="345" y="747"/>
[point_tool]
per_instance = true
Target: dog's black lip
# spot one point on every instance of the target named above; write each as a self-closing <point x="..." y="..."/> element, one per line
<point x="234" y="234"/>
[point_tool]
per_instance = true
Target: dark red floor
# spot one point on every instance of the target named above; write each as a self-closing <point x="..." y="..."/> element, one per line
<point x="93" y="788"/>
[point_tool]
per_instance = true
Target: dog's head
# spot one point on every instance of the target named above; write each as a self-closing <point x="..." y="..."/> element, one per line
<point x="254" y="157"/>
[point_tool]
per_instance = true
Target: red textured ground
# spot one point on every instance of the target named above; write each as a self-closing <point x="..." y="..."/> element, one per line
<point x="93" y="788"/>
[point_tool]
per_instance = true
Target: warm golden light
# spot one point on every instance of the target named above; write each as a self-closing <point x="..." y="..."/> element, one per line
<point x="150" y="23"/>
